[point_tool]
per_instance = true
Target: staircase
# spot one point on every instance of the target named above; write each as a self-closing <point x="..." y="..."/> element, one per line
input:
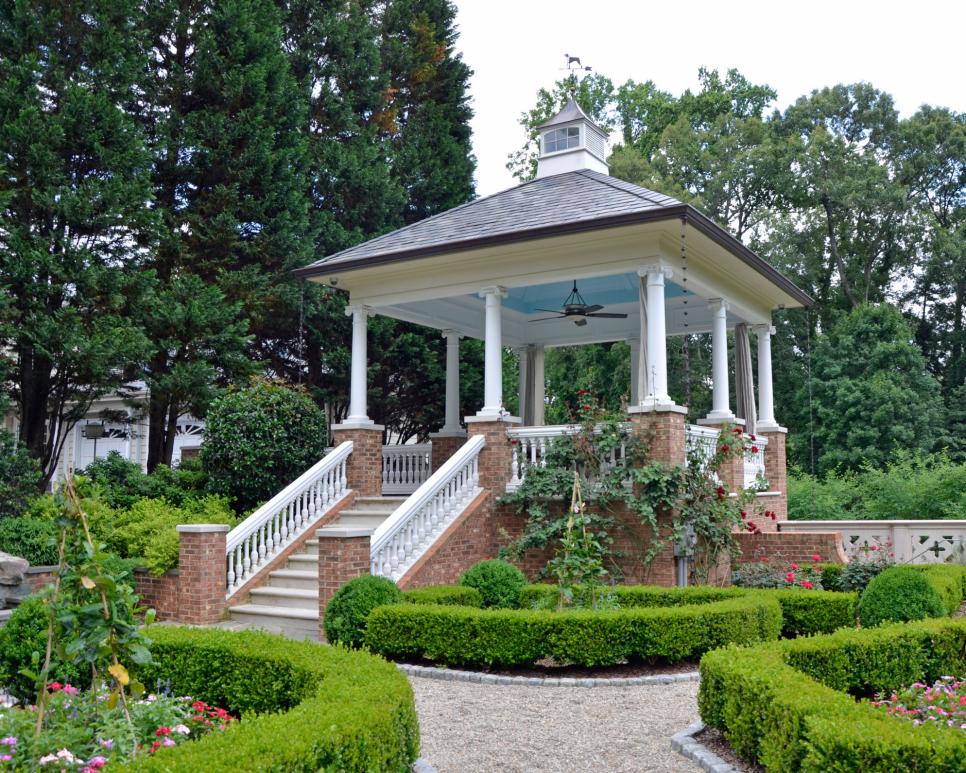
<point x="289" y="602"/>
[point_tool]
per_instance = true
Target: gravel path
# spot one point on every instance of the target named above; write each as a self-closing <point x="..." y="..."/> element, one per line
<point x="469" y="727"/>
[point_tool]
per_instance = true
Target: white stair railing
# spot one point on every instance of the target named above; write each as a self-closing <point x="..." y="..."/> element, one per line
<point x="286" y="516"/>
<point x="401" y="539"/>
<point x="406" y="467"/>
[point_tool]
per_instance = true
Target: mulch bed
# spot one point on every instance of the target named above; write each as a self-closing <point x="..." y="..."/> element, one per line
<point x="715" y="742"/>
<point x="548" y="669"/>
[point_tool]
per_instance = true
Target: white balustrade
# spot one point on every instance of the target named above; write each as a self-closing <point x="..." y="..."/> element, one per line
<point x="908" y="542"/>
<point x="531" y="444"/>
<point x="405" y="467"/>
<point x="700" y="441"/>
<point x="288" y="515"/>
<point x="755" y="461"/>
<point x="409" y="532"/>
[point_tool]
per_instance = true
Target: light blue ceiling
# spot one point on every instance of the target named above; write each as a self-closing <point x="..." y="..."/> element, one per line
<point x="605" y="290"/>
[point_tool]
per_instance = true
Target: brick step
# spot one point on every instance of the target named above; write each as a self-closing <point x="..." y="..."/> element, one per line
<point x="290" y="622"/>
<point x="290" y="598"/>
<point x="294" y="578"/>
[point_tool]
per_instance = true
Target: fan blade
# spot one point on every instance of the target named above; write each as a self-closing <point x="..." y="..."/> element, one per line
<point x="550" y="311"/>
<point x="607" y="316"/>
<point x="544" y="319"/>
<point x="591" y="309"/>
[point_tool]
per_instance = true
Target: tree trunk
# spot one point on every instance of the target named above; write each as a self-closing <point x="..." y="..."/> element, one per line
<point x="157" y="426"/>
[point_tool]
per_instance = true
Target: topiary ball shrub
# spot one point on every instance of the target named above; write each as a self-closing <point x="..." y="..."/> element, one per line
<point x="498" y="582"/>
<point x="898" y="595"/>
<point x="347" y="612"/>
<point x="259" y="439"/>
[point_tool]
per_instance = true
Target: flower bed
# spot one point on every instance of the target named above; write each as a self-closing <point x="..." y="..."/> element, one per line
<point x="302" y="706"/>
<point x="669" y="632"/>
<point x="83" y="731"/>
<point x="790" y="705"/>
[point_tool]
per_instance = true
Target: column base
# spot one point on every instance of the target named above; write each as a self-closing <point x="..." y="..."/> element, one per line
<point x="714" y="420"/>
<point x="657" y="406"/>
<point x="351" y="423"/>
<point x="444" y="433"/>
<point x="482" y="418"/>
<point x="770" y="426"/>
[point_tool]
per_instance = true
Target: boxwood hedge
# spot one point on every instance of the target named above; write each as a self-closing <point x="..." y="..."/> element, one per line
<point x="304" y="706"/>
<point x="509" y="637"/>
<point x="449" y="595"/>
<point x="789" y="705"/>
<point x="803" y="611"/>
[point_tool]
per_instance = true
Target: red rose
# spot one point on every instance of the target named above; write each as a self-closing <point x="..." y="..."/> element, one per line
<point x="873" y="547"/>
<point x="581" y="391"/>
<point x="744" y="514"/>
<point x="720" y="492"/>
<point x="754" y="449"/>
<point x="162" y="731"/>
<point x="790" y="577"/>
<point x="55" y="687"/>
<point x="753" y="437"/>
<point x="586" y="407"/>
<point x="816" y="557"/>
<point x="806" y="585"/>
<point x="795" y="566"/>
<point x="737" y="430"/>
<point x="724" y="448"/>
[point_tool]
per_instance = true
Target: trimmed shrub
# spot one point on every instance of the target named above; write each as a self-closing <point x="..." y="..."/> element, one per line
<point x="949" y="580"/>
<point x="347" y="612"/>
<point x="121" y="483"/>
<point x="897" y="595"/>
<point x="832" y="576"/>
<point x="499" y="583"/>
<point x="19" y="477"/>
<point x="803" y="612"/>
<point x="23" y="636"/>
<point x="509" y="637"/>
<point x="30" y="538"/>
<point x="260" y="439"/>
<point x="788" y="707"/>
<point x="454" y="595"/>
<point x="304" y="706"/>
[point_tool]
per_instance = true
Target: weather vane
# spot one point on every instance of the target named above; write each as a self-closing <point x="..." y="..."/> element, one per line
<point x="575" y="66"/>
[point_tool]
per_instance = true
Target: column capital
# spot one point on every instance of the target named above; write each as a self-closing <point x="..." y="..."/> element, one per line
<point x="496" y="290"/>
<point x="718" y="304"/>
<point x="352" y="308"/>
<point x="449" y="334"/>
<point x="761" y="330"/>
<point x="657" y="269"/>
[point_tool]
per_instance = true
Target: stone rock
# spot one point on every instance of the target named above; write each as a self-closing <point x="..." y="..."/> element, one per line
<point x="12" y="569"/>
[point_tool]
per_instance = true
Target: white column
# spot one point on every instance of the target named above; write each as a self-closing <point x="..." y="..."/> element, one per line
<point x="655" y="387"/>
<point x="358" y="410"/>
<point x="635" y="347"/>
<point x="539" y="386"/>
<point x="493" y="353"/>
<point x="452" y="423"/>
<point x="720" y="410"/>
<point x="522" y="396"/>
<point x="766" y="400"/>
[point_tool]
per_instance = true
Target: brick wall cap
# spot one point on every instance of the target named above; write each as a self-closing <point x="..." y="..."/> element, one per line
<point x="768" y="493"/>
<point x="357" y="425"/>
<point x="494" y="419"/>
<point x="658" y="408"/>
<point x="341" y="532"/>
<point x="448" y="433"/>
<point x="203" y="528"/>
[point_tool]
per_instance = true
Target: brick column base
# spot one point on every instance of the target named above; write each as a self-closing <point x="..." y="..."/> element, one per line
<point x="776" y="471"/>
<point x="445" y="444"/>
<point x="364" y="467"/>
<point x="663" y="430"/>
<point x="497" y="455"/>
<point x="202" y="573"/>
<point x="344" y="554"/>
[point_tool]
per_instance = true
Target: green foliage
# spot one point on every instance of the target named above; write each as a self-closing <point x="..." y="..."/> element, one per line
<point x="259" y="439"/>
<point x="147" y="530"/>
<point x="498" y="582"/>
<point x="808" y="612"/>
<point x="910" y="486"/>
<point x="304" y="706"/>
<point x="787" y="707"/>
<point x="509" y="637"/>
<point x="832" y="576"/>
<point x="455" y="595"/>
<point x="31" y="538"/>
<point x="862" y="569"/>
<point x="19" y="477"/>
<point x="900" y="594"/>
<point x="121" y="483"/>
<point x="23" y="640"/>
<point x="348" y="610"/>
<point x="949" y="580"/>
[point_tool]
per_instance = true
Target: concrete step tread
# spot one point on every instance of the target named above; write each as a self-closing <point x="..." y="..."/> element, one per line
<point x="294" y="593"/>
<point x="305" y="558"/>
<point x="368" y="512"/>
<point x="296" y="613"/>
<point x="295" y="574"/>
<point x="380" y="500"/>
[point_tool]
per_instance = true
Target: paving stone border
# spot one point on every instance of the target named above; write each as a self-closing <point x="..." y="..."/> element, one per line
<point x="455" y="675"/>
<point x="422" y="766"/>
<point x="685" y="744"/>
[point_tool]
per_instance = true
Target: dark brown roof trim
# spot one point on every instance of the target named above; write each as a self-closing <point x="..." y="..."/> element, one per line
<point x="686" y="211"/>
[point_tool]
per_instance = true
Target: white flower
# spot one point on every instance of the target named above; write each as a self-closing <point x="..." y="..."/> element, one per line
<point x="47" y="758"/>
<point x="65" y="755"/>
<point x="183" y="729"/>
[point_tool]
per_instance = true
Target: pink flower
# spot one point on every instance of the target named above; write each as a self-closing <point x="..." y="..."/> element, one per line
<point x="790" y="577"/>
<point x="5" y="758"/>
<point x="816" y="557"/>
<point x="873" y="547"/>
<point x="10" y="740"/>
<point x="167" y="742"/>
<point x="795" y="566"/>
<point x="70" y="689"/>
<point x="97" y="762"/>
<point x="55" y="686"/>
<point x="806" y="585"/>
<point x="162" y="731"/>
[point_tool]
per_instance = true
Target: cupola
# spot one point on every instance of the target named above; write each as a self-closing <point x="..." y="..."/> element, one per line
<point x="570" y="141"/>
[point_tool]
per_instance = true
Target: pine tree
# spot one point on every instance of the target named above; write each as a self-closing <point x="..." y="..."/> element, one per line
<point x="75" y="223"/>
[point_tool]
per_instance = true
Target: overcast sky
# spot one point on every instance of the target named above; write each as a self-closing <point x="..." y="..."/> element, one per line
<point x="913" y="50"/>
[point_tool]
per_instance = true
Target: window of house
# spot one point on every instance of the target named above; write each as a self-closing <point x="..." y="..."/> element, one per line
<point x="561" y="139"/>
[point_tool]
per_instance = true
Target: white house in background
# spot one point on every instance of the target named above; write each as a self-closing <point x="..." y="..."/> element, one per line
<point x="113" y="424"/>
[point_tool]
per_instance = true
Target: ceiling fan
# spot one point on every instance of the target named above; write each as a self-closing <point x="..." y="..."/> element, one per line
<point x="574" y="306"/>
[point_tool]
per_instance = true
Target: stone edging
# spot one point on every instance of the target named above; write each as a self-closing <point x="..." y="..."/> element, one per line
<point x="422" y="766"/>
<point x="454" y="675"/>
<point x="684" y="744"/>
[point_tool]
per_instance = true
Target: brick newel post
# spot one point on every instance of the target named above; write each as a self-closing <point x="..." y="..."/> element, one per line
<point x="732" y="470"/>
<point x="776" y="471"/>
<point x="364" y="467"/>
<point x="497" y="455"/>
<point x="344" y="554"/>
<point x="445" y="444"/>
<point x="202" y="573"/>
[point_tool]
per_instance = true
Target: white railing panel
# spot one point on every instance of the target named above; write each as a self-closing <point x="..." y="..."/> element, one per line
<point x="405" y="467"/>
<point x="531" y="444"/>
<point x="399" y="541"/>
<point x="755" y="461"/>
<point x="702" y="441"/>
<point x="908" y="542"/>
<point x="285" y="517"/>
